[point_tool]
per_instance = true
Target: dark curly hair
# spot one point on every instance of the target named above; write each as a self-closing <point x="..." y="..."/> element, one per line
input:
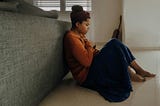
<point x="78" y="15"/>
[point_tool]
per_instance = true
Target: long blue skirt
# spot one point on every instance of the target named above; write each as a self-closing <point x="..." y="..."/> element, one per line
<point x="108" y="74"/>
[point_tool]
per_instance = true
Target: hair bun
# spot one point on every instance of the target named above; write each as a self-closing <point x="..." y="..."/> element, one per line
<point x="77" y="8"/>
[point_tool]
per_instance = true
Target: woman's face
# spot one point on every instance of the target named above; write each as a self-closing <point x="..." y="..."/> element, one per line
<point x="83" y="27"/>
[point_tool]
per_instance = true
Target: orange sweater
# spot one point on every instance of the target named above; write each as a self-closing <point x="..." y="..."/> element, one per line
<point x="79" y="55"/>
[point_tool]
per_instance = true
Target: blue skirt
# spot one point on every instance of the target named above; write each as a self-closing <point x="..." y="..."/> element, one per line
<point x="108" y="74"/>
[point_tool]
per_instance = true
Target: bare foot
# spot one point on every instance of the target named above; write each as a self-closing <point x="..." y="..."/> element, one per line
<point x="139" y="70"/>
<point x="147" y="74"/>
<point x="137" y="78"/>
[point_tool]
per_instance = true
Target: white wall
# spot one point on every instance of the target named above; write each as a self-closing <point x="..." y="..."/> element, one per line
<point x="104" y="19"/>
<point x="106" y="15"/>
<point x="142" y="23"/>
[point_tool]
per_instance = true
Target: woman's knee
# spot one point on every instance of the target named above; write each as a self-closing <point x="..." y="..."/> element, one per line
<point x="112" y="42"/>
<point x="115" y="41"/>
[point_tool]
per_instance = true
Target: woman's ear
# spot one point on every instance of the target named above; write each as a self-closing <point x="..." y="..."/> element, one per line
<point x="77" y="24"/>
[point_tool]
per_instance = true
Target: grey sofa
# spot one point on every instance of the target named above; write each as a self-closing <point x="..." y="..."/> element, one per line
<point x="31" y="58"/>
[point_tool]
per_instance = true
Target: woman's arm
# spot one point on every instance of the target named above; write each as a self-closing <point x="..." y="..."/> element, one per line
<point x="83" y="53"/>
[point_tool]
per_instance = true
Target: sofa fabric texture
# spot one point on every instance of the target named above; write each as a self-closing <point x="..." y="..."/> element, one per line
<point x="9" y="6"/>
<point x="31" y="58"/>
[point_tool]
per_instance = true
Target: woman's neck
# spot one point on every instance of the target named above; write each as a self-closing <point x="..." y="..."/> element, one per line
<point x="77" y="32"/>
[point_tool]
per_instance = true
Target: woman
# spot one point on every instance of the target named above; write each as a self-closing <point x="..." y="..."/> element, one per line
<point x="108" y="71"/>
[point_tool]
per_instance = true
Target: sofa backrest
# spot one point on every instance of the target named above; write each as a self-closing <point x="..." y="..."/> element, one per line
<point x="31" y="58"/>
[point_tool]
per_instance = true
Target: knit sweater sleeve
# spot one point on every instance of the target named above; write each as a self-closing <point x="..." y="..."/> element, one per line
<point x="82" y="52"/>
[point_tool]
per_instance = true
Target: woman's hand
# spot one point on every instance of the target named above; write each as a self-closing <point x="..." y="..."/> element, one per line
<point x="94" y="46"/>
<point x="87" y="44"/>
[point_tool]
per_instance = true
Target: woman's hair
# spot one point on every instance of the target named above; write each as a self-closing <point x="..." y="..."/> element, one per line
<point x="78" y="15"/>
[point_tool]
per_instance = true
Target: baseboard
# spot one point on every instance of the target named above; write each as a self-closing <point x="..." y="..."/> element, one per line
<point x="100" y="44"/>
<point x="145" y="48"/>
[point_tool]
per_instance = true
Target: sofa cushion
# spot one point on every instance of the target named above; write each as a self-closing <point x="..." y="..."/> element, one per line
<point x="27" y="8"/>
<point x="31" y="57"/>
<point x="51" y="14"/>
<point x="9" y="6"/>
